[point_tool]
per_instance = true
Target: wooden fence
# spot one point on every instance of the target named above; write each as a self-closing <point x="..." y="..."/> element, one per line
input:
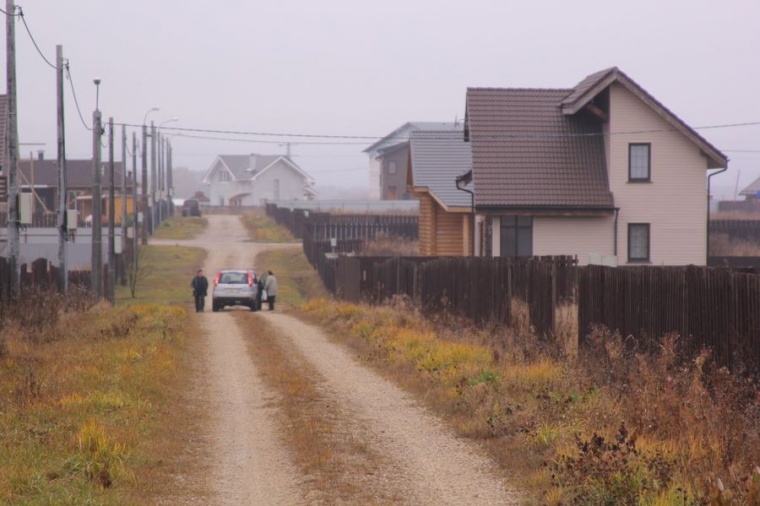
<point x="303" y="223"/>
<point x="41" y="274"/>
<point x="717" y="308"/>
<point x="747" y="230"/>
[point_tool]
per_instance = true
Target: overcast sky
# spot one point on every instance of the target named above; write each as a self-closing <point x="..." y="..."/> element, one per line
<point x="358" y="68"/>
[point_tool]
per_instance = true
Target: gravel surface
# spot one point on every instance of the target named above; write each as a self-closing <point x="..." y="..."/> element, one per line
<point x="423" y="461"/>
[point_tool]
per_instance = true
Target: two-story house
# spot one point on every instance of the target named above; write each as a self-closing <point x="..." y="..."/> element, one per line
<point x="599" y="170"/>
<point x="253" y="180"/>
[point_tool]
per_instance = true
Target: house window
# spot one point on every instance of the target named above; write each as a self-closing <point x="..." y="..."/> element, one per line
<point x="638" y="242"/>
<point x="392" y="193"/>
<point x="639" y="162"/>
<point x="516" y="236"/>
<point x="391" y="167"/>
<point x="224" y="176"/>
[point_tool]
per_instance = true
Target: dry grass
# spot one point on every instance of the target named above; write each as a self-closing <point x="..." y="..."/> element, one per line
<point x="262" y="228"/>
<point x="384" y="245"/>
<point x="180" y="228"/>
<point x="721" y="245"/>
<point x="612" y="427"/>
<point x="82" y="395"/>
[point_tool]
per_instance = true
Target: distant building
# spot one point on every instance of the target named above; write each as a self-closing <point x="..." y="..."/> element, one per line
<point x="388" y="159"/>
<point x="253" y="180"/>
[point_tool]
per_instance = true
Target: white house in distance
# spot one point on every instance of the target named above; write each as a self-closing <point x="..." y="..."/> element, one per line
<point x="253" y="180"/>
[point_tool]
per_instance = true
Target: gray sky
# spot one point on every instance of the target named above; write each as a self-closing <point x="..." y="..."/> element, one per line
<point x="357" y="68"/>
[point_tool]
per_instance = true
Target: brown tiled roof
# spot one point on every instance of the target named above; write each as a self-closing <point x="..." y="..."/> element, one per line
<point x="78" y="173"/>
<point x="527" y="154"/>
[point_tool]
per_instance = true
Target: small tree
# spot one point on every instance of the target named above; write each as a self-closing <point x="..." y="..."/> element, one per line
<point x="135" y="271"/>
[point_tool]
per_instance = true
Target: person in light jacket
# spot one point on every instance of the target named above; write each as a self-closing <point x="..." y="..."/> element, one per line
<point x="270" y="285"/>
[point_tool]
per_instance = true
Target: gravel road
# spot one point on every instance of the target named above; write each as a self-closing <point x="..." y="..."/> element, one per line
<point x="423" y="461"/>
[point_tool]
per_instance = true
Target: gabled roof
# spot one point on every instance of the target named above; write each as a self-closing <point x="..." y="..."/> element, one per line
<point x="438" y="157"/>
<point x="250" y="167"/>
<point x="527" y="154"/>
<point x="402" y="132"/>
<point x="753" y="189"/>
<point x="594" y="84"/>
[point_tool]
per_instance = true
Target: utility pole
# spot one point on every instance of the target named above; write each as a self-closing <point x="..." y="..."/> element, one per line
<point x="170" y="177"/>
<point x="11" y="141"/>
<point x="122" y="256"/>
<point x="63" y="191"/>
<point x="111" y="295"/>
<point x="144" y="192"/>
<point x="97" y="213"/>
<point x="134" y="202"/>
<point x="153" y="178"/>
<point x="159" y="177"/>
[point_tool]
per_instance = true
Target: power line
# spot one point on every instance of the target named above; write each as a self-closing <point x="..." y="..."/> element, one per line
<point x="257" y="141"/>
<point x="74" y="93"/>
<point x="486" y="138"/>
<point x="23" y="20"/>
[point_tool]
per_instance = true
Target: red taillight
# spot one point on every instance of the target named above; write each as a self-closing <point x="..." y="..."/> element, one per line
<point x="250" y="279"/>
<point x="216" y="279"/>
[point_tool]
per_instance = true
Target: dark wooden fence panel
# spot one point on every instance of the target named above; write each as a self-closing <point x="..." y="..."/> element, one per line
<point x="715" y="308"/>
<point x="748" y="230"/>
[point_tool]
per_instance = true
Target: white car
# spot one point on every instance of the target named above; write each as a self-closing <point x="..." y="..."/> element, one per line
<point x="235" y="287"/>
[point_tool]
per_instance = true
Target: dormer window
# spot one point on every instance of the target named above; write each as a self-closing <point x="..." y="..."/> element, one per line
<point x="639" y="162"/>
<point x="224" y="176"/>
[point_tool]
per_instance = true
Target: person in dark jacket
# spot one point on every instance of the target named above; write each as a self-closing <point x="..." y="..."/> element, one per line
<point x="200" y="290"/>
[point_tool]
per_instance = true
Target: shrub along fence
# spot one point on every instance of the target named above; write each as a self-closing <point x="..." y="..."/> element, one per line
<point x="716" y="308"/>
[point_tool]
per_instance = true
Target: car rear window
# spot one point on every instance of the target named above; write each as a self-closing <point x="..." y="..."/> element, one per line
<point x="234" y="278"/>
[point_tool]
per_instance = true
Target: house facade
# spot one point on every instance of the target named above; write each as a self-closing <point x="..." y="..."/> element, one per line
<point x="253" y="180"/>
<point x="388" y="163"/>
<point x="437" y="160"/>
<point x="602" y="171"/>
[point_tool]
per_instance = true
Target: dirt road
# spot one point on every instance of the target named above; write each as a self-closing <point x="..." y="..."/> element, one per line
<point x="422" y="461"/>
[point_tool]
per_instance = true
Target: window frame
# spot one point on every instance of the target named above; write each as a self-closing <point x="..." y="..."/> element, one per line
<point x="648" y="178"/>
<point x="515" y="224"/>
<point x="648" y="258"/>
<point x="392" y="167"/>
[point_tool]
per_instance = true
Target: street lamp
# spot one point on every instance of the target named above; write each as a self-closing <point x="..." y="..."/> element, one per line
<point x="152" y="109"/>
<point x="167" y="121"/>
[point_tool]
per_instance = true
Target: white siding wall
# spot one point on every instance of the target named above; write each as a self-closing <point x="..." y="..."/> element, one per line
<point x="674" y="202"/>
<point x="574" y="236"/>
<point x="291" y="184"/>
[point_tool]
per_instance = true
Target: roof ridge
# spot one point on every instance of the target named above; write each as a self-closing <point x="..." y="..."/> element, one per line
<point x="487" y="88"/>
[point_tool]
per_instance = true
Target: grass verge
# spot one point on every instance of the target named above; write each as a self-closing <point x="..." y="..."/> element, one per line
<point x="178" y="227"/>
<point x="297" y="280"/>
<point x="612" y="427"/>
<point x="163" y="276"/>
<point x="262" y="228"/>
<point x="82" y="391"/>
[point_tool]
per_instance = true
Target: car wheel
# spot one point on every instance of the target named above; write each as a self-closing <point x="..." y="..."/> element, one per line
<point x="252" y="307"/>
<point x="214" y="308"/>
